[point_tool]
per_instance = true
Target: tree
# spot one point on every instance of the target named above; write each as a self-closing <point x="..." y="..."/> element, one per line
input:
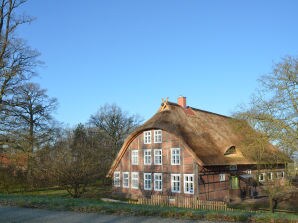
<point x="114" y="125"/>
<point x="17" y="60"/>
<point x="73" y="163"/>
<point x="30" y="118"/>
<point x="273" y="114"/>
<point x="28" y="121"/>
<point x="274" y="108"/>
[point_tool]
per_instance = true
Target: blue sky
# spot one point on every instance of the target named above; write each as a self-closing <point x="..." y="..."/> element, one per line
<point x="133" y="53"/>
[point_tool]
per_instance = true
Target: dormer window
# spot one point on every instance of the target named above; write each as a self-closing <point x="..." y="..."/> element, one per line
<point x="230" y="150"/>
<point x="147" y="137"/>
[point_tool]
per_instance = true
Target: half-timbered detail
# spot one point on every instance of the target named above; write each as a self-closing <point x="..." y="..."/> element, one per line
<point x="183" y="151"/>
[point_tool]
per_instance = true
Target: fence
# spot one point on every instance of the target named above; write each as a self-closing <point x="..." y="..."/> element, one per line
<point x="184" y="202"/>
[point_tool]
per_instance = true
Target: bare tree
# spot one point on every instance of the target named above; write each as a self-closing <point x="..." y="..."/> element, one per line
<point x="274" y="109"/>
<point x="30" y="118"/>
<point x="273" y="115"/>
<point x="114" y="125"/>
<point x="17" y="60"/>
<point x="73" y="163"/>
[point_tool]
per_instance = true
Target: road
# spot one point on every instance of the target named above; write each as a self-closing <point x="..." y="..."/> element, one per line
<point x="26" y="215"/>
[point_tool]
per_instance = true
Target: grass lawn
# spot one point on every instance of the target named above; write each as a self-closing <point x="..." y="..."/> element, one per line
<point x="59" y="200"/>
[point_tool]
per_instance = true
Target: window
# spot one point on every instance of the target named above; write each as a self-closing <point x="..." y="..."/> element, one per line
<point x="175" y="156"/>
<point x="117" y="179"/>
<point x="262" y="177"/>
<point x="135" y="180"/>
<point x="126" y="179"/>
<point x="134" y="157"/>
<point x="188" y="183"/>
<point x="282" y="174"/>
<point x="157" y="156"/>
<point x="147" y="181"/>
<point x="157" y="136"/>
<point x="147" y="157"/>
<point x="222" y="177"/>
<point x="270" y="176"/>
<point x="147" y="137"/>
<point x="175" y="183"/>
<point x="158" y="181"/>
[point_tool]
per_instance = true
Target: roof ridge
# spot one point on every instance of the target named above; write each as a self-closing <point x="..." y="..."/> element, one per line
<point x="200" y="110"/>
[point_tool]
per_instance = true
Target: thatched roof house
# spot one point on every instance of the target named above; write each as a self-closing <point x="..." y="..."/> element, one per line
<point x="213" y="138"/>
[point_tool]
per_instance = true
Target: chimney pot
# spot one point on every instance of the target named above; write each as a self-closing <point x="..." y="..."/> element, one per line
<point x="182" y="101"/>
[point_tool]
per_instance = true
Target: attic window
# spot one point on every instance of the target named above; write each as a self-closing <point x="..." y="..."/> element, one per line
<point x="231" y="150"/>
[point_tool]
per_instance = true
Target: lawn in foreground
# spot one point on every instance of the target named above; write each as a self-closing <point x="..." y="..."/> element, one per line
<point x="63" y="203"/>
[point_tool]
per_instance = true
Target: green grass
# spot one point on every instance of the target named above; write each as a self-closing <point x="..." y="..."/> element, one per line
<point x="60" y="201"/>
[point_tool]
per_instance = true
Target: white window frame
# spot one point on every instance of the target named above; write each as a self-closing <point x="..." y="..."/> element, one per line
<point x="134" y="157"/>
<point x="174" y="155"/>
<point x="222" y="177"/>
<point x="263" y="177"/>
<point x="147" y="137"/>
<point x="147" y="157"/>
<point x="270" y="176"/>
<point x="158" y="181"/>
<point x="173" y="181"/>
<point x="125" y="179"/>
<point x="118" y="184"/>
<point x="188" y="183"/>
<point x="135" y="180"/>
<point x="157" y="136"/>
<point x="157" y="154"/>
<point x="146" y="179"/>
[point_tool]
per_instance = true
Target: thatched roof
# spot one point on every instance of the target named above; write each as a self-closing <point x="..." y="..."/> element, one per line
<point x="214" y="139"/>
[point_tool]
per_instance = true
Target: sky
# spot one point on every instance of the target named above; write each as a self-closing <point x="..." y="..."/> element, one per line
<point x="134" y="53"/>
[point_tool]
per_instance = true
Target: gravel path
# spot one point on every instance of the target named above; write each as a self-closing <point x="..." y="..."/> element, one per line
<point x="26" y="215"/>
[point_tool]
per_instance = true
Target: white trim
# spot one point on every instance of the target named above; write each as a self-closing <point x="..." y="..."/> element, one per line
<point x="124" y="179"/>
<point x="149" y="156"/>
<point x="118" y="177"/>
<point x="175" y="181"/>
<point x="147" y="137"/>
<point x="157" y="155"/>
<point x="156" y="181"/>
<point x="189" y="185"/>
<point x="134" y="177"/>
<point x="157" y="136"/>
<point x="147" y="179"/>
<point x="134" y="157"/>
<point x="174" y="160"/>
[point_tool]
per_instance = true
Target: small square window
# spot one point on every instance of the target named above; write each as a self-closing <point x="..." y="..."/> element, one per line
<point x="262" y="177"/>
<point x="222" y="177"/>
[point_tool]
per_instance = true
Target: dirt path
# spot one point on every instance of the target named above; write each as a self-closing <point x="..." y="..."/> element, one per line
<point x="26" y="215"/>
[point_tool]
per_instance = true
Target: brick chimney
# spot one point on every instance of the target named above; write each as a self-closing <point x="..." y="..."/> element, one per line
<point x="182" y="101"/>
